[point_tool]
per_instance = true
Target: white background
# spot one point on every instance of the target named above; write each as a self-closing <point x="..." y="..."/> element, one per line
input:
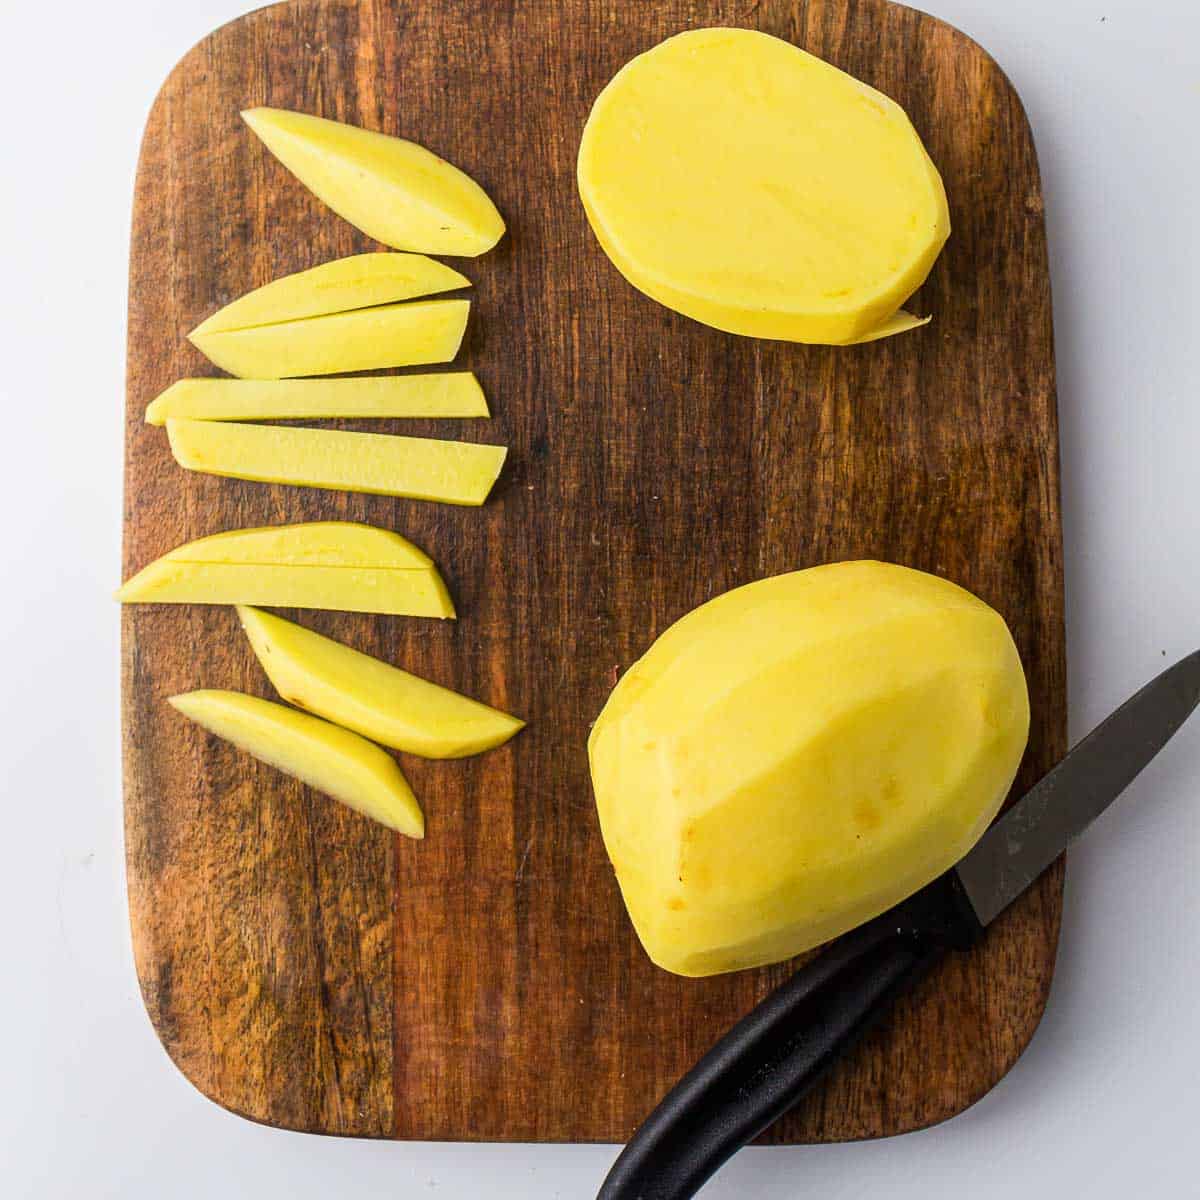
<point x="1105" y="1101"/>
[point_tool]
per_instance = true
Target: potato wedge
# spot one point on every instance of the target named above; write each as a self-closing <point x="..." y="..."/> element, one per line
<point x="382" y="464"/>
<point x="373" y="698"/>
<point x="307" y="543"/>
<point x="391" y="335"/>
<point x="333" y="761"/>
<point x="393" y="190"/>
<point x="360" y="281"/>
<point x="323" y="564"/>
<point x="445" y="394"/>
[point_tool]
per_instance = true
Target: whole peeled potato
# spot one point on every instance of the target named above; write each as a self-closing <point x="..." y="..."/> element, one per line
<point x="798" y="755"/>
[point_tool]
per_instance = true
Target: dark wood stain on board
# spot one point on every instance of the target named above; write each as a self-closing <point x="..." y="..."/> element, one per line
<point x="304" y="967"/>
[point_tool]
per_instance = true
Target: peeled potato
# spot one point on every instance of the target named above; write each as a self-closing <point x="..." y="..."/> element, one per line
<point x="800" y="754"/>
<point x="334" y="761"/>
<point x="373" y="698"/>
<point x="747" y="184"/>
<point x="379" y="463"/>
<point x="360" y="281"/>
<point x="393" y="190"/>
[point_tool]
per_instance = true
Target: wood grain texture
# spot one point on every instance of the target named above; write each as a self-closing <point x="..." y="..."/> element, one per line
<point x="301" y="966"/>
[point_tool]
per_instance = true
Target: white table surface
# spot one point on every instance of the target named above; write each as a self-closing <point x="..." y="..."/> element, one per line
<point x="1103" y="1104"/>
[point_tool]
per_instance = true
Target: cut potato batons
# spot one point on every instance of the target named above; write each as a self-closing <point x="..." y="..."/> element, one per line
<point x="360" y="281"/>
<point x="332" y="760"/>
<point x="380" y="701"/>
<point x="365" y="339"/>
<point x="377" y="463"/>
<point x="325" y="564"/>
<point x="440" y="395"/>
<point x="393" y="190"/>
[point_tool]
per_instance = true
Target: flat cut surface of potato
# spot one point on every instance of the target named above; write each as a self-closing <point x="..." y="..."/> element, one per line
<point x="365" y="339"/>
<point x="332" y="760"/>
<point x="380" y="701"/>
<point x="444" y="394"/>
<point x="393" y="190"/>
<point x="752" y="186"/>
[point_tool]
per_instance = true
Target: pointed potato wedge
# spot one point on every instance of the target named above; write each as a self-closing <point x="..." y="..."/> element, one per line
<point x="373" y="698"/>
<point x="383" y="464"/>
<point x="360" y="281"/>
<point x="307" y="543"/>
<point x="334" y="761"/>
<point x="391" y="335"/>
<point x="445" y="394"/>
<point x="393" y="190"/>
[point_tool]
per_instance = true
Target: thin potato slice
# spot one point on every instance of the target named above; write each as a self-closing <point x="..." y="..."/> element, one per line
<point x="446" y="394"/>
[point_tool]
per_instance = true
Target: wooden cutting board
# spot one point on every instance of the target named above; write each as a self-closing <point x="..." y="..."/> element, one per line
<point x="304" y="967"/>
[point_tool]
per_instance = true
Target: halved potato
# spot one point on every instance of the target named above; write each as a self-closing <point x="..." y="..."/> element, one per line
<point x="332" y="760"/>
<point x="391" y="335"/>
<point x="393" y="190"/>
<point x="445" y="394"/>
<point x="747" y="184"/>
<point x="379" y="463"/>
<point x="380" y="701"/>
<point x="359" y="281"/>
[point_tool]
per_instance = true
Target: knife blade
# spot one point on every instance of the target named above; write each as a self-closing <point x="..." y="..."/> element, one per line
<point x="776" y="1053"/>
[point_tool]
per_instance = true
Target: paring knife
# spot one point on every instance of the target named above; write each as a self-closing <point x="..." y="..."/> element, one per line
<point x="766" y="1062"/>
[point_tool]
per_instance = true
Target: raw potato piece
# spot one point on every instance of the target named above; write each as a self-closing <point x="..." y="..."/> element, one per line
<point x="343" y="589"/>
<point x="448" y="394"/>
<point x="798" y="755"/>
<point x="383" y="464"/>
<point x="749" y="185"/>
<point x="360" y="281"/>
<point x="391" y="335"/>
<point x="308" y="543"/>
<point x="395" y="191"/>
<point x="321" y="564"/>
<point x="334" y="761"/>
<point x="380" y="701"/>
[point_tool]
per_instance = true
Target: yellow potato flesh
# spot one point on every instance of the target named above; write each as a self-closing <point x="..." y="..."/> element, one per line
<point x="798" y="755"/>
<point x="393" y="190"/>
<point x="391" y="335"/>
<point x="419" y="468"/>
<point x="345" y="589"/>
<point x="308" y="543"/>
<point x="334" y="761"/>
<point x="749" y="185"/>
<point x="380" y="701"/>
<point x="447" y="394"/>
<point x="360" y="281"/>
<point x="319" y="564"/>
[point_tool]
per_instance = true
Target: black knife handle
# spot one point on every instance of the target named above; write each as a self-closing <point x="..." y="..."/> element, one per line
<point x="770" y="1058"/>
